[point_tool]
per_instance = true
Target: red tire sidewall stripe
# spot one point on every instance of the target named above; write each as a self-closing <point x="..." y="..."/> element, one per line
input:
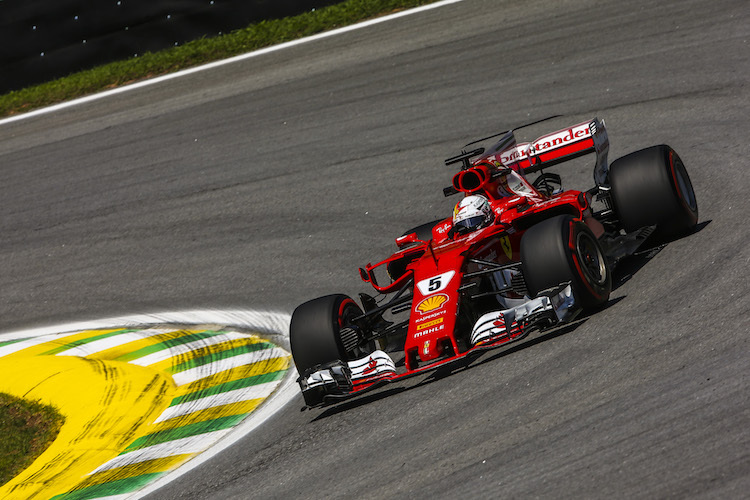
<point x="342" y="307"/>
<point x="572" y="234"/>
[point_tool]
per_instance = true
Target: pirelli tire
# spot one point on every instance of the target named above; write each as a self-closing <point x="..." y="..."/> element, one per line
<point x="562" y="249"/>
<point x="652" y="187"/>
<point x="321" y="331"/>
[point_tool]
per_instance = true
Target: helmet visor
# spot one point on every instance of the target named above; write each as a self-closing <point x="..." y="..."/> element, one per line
<point x="468" y="224"/>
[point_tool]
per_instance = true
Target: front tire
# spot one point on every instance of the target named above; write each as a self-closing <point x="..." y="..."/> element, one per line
<point x="652" y="187"/>
<point x="562" y="249"/>
<point x="321" y="331"/>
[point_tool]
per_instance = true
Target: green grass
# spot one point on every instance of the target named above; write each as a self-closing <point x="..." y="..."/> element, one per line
<point x="148" y="65"/>
<point x="27" y="428"/>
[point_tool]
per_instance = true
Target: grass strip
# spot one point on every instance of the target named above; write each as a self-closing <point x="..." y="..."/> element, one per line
<point x="27" y="428"/>
<point x="197" y="52"/>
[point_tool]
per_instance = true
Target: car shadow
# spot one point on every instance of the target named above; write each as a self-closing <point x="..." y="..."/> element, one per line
<point x="629" y="266"/>
<point x="463" y="364"/>
<point x="358" y="401"/>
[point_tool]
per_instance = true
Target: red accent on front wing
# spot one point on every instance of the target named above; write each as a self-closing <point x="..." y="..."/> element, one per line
<point x="360" y="385"/>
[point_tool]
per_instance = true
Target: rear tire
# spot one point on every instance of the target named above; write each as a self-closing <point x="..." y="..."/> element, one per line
<point x="561" y="249"/>
<point x="652" y="187"/>
<point x="315" y="331"/>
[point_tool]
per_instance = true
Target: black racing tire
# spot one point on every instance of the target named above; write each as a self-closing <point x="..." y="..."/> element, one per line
<point x="652" y="187"/>
<point x="315" y="330"/>
<point x="562" y="249"/>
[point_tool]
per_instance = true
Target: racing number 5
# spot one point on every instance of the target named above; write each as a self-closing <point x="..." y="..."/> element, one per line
<point x="434" y="284"/>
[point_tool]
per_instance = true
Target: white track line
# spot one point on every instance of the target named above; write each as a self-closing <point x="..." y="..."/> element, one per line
<point x="91" y="348"/>
<point x="273" y="322"/>
<point x="35" y="339"/>
<point x="225" y="398"/>
<point x="169" y="352"/>
<point x="199" y="372"/>
<point x="223" y="62"/>
<point x="184" y="446"/>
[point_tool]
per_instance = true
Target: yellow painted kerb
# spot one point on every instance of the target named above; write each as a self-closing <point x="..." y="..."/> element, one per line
<point x="105" y="404"/>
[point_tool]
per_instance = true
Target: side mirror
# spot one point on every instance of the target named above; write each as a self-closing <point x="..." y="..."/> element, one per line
<point x="406" y="239"/>
<point x="364" y="275"/>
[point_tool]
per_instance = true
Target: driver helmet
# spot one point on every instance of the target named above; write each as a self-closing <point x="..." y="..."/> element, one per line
<point x="471" y="213"/>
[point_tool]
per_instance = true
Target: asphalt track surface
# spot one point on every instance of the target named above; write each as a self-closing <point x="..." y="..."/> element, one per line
<point x="266" y="183"/>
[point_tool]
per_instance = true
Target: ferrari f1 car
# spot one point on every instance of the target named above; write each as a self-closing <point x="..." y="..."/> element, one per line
<point x="531" y="256"/>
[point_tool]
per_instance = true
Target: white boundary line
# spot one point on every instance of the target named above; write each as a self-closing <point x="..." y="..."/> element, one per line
<point x="241" y="57"/>
<point x="273" y="323"/>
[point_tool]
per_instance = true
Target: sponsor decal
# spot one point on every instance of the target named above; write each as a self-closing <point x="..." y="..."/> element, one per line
<point x="432" y="303"/>
<point x="514" y="154"/>
<point x="505" y="243"/>
<point x="429" y="324"/>
<point x="436" y="283"/>
<point x="429" y="316"/>
<point x="562" y="138"/>
<point x="426" y="348"/>
<point x="443" y="228"/>
<point x="545" y="143"/>
<point x="429" y="331"/>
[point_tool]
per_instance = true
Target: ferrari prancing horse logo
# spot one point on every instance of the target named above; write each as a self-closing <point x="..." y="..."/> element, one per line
<point x="426" y="348"/>
<point x="505" y="243"/>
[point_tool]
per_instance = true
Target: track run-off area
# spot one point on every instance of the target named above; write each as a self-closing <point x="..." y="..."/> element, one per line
<point x="264" y="183"/>
<point x="142" y="395"/>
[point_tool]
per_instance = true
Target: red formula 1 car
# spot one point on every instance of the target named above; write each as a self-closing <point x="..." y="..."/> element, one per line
<point x="516" y="256"/>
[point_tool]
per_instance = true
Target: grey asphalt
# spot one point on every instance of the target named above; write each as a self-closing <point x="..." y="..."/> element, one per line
<point x="268" y="182"/>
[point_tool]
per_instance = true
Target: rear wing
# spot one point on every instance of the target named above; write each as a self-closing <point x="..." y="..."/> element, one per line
<point x="551" y="149"/>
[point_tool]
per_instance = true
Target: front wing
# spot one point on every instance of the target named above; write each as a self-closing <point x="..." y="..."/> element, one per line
<point x="339" y="380"/>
